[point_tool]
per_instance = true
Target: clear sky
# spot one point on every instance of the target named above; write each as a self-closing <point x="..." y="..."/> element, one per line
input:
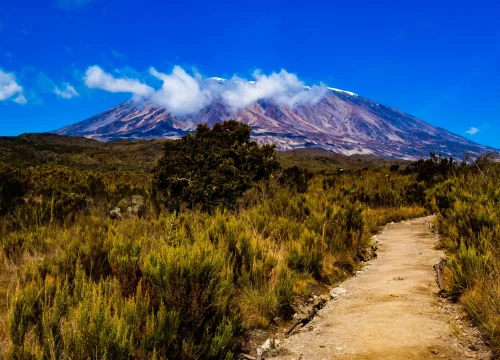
<point x="437" y="60"/>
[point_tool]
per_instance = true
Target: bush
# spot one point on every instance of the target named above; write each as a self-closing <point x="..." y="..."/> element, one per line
<point x="12" y="189"/>
<point x="212" y="167"/>
<point x="186" y="285"/>
<point x="469" y="224"/>
<point x="296" y="178"/>
<point x="195" y="281"/>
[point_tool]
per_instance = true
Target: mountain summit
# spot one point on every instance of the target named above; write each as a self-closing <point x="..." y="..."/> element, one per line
<point x="341" y="122"/>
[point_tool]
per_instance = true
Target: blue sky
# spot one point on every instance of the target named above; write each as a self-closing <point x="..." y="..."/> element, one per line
<point x="437" y="60"/>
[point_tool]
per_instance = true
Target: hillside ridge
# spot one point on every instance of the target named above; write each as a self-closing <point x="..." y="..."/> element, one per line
<point x="342" y="122"/>
<point x="80" y="152"/>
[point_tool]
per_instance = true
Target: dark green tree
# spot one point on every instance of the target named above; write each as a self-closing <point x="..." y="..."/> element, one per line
<point x="435" y="169"/>
<point x="12" y="189"/>
<point x="296" y="178"/>
<point x="212" y="167"/>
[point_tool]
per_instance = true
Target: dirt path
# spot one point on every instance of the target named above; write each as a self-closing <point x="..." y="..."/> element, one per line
<point x="390" y="310"/>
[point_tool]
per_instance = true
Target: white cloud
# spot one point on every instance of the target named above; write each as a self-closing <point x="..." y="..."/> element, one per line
<point x="20" y="99"/>
<point x="67" y="92"/>
<point x="182" y="93"/>
<point x="283" y="88"/>
<point x="10" y="88"/>
<point x="37" y="85"/>
<point x="472" y="131"/>
<point x="96" y="78"/>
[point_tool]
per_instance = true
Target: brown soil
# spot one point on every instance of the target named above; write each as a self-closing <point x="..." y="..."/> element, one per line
<point x="391" y="310"/>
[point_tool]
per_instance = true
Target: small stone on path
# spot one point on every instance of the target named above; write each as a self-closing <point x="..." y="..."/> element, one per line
<point x="337" y="291"/>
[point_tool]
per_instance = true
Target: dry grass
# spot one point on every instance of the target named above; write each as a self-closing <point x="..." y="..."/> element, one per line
<point x="469" y="225"/>
<point x="181" y="284"/>
<point x="7" y="283"/>
<point x="482" y="303"/>
<point x="258" y="307"/>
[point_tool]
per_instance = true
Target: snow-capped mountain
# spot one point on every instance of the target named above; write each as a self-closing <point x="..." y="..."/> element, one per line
<point x="342" y="122"/>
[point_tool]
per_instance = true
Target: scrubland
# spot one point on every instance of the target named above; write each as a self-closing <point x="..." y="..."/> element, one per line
<point x="181" y="285"/>
<point x="468" y="207"/>
<point x="188" y="282"/>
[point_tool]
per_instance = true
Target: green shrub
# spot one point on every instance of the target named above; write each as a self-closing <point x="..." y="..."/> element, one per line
<point x="196" y="281"/>
<point x="187" y="284"/>
<point x="296" y="178"/>
<point x="12" y="188"/>
<point x="469" y="224"/>
<point x="212" y="167"/>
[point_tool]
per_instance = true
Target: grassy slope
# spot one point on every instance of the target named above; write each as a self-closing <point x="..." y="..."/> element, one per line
<point x="82" y="153"/>
<point x="77" y="152"/>
<point x="321" y="160"/>
<point x="281" y="243"/>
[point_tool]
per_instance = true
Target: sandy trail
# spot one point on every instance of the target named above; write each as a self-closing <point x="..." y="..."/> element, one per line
<point x="391" y="310"/>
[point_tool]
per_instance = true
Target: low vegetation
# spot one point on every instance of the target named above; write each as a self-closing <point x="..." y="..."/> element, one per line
<point x="212" y="167"/>
<point x="227" y="240"/>
<point x="468" y="207"/>
<point x="80" y="153"/>
<point x="50" y="149"/>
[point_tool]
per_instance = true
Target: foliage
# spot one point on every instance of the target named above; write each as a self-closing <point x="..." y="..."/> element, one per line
<point x="296" y="178"/>
<point x="79" y="153"/>
<point x="11" y="188"/>
<point x="211" y="167"/>
<point x="434" y="169"/>
<point x="322" y="161"/>
<point x="188" y="284"/>
<point x="469" y="223"/>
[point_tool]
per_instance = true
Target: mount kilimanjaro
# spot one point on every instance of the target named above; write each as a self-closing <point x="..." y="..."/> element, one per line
<point x="342" y="122"/>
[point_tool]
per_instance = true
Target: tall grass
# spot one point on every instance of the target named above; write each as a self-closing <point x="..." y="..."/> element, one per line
<point x="178" y="285"/>
<point x="469" y="223"/>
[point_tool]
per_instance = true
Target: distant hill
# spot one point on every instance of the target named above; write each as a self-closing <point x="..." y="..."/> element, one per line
<point x="126" y="155"/>
<point x="322" y="160"/>
<point x="79" y="152"/>
<point x="342" y="122"/>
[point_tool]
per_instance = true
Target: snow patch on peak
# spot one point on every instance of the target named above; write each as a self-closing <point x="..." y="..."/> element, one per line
<point x="343" y="91"/>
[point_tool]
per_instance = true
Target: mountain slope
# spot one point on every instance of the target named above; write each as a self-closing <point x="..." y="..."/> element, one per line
<point x="342" y="122"/>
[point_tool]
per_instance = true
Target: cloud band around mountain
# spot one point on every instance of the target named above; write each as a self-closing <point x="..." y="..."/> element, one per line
<point x="183" y="94"/>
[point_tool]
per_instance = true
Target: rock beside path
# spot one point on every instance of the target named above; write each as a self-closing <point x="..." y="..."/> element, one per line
<point x="337" y="291"/>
